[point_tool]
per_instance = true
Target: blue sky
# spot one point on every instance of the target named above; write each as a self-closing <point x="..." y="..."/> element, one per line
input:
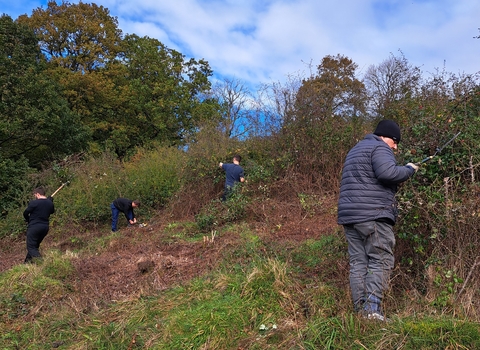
<point x="264" y="41"/>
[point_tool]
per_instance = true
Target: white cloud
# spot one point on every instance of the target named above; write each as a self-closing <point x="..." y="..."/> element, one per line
<point x="261" y="41"/>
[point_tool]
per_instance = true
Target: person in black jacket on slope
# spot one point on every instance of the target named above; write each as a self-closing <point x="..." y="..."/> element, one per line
<point x="367" y="209"/>
<point x="37" y="215"/>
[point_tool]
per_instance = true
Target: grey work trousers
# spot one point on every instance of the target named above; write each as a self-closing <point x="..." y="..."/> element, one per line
<point x="370" y="247"/>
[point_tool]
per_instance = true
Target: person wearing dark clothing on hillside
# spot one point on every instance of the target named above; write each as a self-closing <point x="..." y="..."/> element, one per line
<point x="233" y="175"/>
<point x="367" y="209"/>
<point x="125" y="206"/>
<point x="37" y="215"/>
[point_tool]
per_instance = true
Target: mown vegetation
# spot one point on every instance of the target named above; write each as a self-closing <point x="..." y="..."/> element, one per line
<point x="120" y="115"/>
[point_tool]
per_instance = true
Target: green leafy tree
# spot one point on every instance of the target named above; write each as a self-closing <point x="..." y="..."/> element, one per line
<point x="78" y="40"/>
<point x="161" y="94"/>
<point x="99" y="101"/>
<point x="128" y="91"/>
<point x="35" y="120"/>
<point x="79" y="37"/>
<point x="14" y="183"/>
<point x="334" y="90"/>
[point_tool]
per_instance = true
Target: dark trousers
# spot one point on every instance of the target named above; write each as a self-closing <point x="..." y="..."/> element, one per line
<point x="35" y="236"/>
<point x="115" y="213"/>
<point x="227" y="193"/>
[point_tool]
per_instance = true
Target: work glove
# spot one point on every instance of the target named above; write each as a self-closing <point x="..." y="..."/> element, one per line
<point x="413" y="166"/>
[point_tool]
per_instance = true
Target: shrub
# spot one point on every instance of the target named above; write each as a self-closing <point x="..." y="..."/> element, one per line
<point x="16" y="190"/>
<point x="95" y="184"/>
<point x="154" y="176"/>
<point x="220" y="213"/>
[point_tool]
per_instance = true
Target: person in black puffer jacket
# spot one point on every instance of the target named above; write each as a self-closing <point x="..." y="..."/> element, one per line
<point x="367" y="209"/>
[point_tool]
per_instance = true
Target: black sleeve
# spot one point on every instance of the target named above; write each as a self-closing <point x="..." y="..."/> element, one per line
<point x="26" y="212"/>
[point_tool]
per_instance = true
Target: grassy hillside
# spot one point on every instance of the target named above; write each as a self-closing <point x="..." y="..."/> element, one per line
<point x="277" y="279"/>
<point x="265" y="270"/>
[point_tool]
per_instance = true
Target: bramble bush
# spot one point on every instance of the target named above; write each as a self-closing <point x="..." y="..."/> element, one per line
<point x="439" y="207"/>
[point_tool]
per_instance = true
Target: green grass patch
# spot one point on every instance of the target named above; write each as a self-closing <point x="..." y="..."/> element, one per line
<point x="187" y="231"/>
<point x="440" y="333"/>
<point x="315" y="252"/>
<point x="255" y="303"/>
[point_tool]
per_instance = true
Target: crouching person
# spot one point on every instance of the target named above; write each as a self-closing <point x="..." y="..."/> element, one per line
<point x="125" y="206"/>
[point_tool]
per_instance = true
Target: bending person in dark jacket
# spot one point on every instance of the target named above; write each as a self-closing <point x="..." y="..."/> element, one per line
<point x="37" y="215"/>
<point x="125" y="206"/>
<point x="367" y="209"/>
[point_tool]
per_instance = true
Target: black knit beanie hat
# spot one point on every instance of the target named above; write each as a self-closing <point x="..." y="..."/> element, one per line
<point x="388" y="128"/>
